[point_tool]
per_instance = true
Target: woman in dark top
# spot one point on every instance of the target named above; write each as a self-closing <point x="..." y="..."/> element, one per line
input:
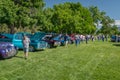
<point x="66" y="40"/>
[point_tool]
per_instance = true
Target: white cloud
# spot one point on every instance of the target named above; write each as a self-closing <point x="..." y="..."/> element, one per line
<point x="117" y="22"/>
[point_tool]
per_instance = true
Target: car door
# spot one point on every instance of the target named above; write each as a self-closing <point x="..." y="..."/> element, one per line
<point x="17" y="41"/>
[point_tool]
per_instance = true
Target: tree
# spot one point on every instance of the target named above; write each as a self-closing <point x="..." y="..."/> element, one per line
<point x="106" y="21"/>
<point x="106" y="25"/>
<point x="8" y="14"/>
<point x="114" y="30"/>
<point x="47" y="24"/>
<point x="29" y="13"/>
<point x="4" y="28"/>
<point x="95" y="13"/>
<point x="72" y="17"/>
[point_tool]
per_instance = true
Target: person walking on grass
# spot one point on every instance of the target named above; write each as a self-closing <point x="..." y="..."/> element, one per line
<point x="76" y="39"/>
<point x="86" y="39"/>
<point x="66" y="40"/>
<point x="103" y="37"/>
<point x="26" y="42"/>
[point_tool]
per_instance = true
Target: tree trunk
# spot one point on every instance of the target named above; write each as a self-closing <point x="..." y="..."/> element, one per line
<point x="12" y="31"/>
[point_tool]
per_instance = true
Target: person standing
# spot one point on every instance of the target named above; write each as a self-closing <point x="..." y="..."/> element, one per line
<point x="92" y="37"/>
<point x="86" y="39"/>
<point x="66" y="40"/>
<point x="76" y="39"/>
<point x="103" y="37"/>
<point x="26" y="42"/>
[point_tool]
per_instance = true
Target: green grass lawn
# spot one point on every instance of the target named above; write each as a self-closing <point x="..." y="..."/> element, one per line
<point x="92" y="61"/>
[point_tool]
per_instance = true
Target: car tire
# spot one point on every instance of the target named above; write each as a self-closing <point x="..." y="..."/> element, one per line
<point x="16" y="52"/>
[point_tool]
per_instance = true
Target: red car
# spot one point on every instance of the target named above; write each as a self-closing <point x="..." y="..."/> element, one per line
<point x="51" y="41"/>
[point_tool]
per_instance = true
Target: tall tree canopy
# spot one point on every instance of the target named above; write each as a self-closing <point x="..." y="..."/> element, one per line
<point x="21" y="13"/>
<point x="29" y="12"/>
<point x="31" y="15"/>
<point x="107" y="26"/>
<point x="98" y="16"/>
<point x="72" y="17"/>
<point x="8" y="13"/>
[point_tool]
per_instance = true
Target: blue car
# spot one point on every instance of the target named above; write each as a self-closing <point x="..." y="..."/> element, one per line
<point x="61" y="40"/>
<point x="115" y="38"/>
<point x="15" y="39"/>
<point x="7" y="50"/>
<point x="37" y="43"/>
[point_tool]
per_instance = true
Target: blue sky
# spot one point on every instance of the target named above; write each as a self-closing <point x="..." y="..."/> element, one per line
<point x="111" y="7"/>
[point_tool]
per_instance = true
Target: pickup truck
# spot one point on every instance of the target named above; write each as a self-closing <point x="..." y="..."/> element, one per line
<point x="16" y="39"/>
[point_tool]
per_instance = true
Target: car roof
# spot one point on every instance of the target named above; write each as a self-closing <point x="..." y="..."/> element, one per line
<point x="7" y="35"/>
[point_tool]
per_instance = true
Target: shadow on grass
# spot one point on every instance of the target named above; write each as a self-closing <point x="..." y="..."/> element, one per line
<point x="1" y="59"/>
<point x="38" y="51"/>
<point x="5" y="58"/>
<point x="32" y="51"/>
<point x="19" y="57"/>
<point x="116" y="44"/>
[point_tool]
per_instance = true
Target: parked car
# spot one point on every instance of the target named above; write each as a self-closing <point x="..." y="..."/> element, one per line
<point x="50" y="39"/>
<point x="115" y="38"/>
<point x="15" y="39"/>
<point x="7" y="50"/>
<point x="58" y="39"/>
<point x="37" y="43"/>
<point x="35" y="40"/>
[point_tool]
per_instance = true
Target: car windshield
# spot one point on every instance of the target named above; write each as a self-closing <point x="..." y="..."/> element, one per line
<point x="38" y="36"/>
<point x="47" y="37"/>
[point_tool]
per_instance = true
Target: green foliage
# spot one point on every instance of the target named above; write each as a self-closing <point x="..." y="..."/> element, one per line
<point x="4" y="28"/>
<point x="8" y="13"/>
<point x="68" y="17"/>
<point x="29" y="12"/>
<point x="100" y="17"/>
<point x="96" y="14"/>
<point x="107" y="28"/>
<point x="72" y="17"/>
<point x="114" y="30"/>
<point x="20" y="13"/>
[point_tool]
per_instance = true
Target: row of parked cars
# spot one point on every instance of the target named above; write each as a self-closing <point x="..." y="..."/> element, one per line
<point x="10" y="43"/>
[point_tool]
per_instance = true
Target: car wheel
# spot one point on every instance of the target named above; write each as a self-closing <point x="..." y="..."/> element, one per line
<point x="15" y="52"/>
<point x="31" y="49"/>
<point x="5" y="57"/>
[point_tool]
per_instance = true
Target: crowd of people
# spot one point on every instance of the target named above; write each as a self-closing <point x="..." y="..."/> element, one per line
<point x="77" y="38"/>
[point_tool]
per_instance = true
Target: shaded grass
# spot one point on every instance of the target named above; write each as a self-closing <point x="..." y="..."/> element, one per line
<point x="93" y="61"/>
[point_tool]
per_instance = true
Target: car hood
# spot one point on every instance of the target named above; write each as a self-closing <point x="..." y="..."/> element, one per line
<point x="3" y="45"/>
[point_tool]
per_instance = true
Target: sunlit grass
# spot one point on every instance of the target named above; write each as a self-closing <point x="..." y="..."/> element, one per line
<point x="92" y="61"/>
